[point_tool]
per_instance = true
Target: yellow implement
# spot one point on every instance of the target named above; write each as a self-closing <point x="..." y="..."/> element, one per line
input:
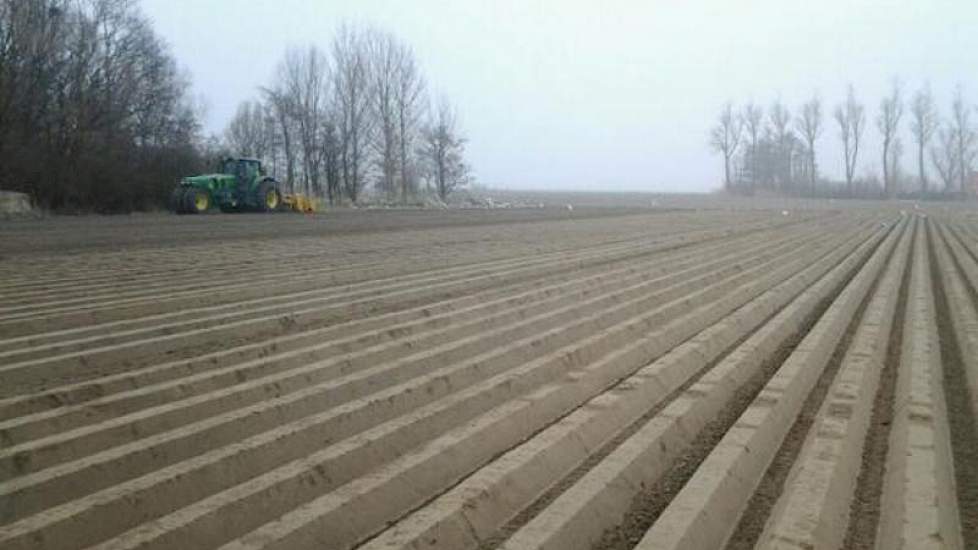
<point x="301" y="203"/>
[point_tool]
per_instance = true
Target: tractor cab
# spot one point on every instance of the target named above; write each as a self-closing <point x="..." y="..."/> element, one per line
<point x="244" y="170"/>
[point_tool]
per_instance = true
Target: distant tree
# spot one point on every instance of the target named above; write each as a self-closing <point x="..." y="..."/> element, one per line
<point x="725" y="138"/>
<point x="345" y="118"/>
<point x="895" y="169"/>
<point x="409" y="110"/>
<point x="248" y="133"/>
<point x="94" y="113"/>
<point x="383" y="51"/>
<point x="851" y="117"/>
<point x="964" y="137"/>
<point x="282" y="107"/>
<point x="779" y="119"/>
<point x="944" y="157"/>
<point x="331" y="155"/>
<point x="304" y="75"/>
<point x="352" y="77"/>
<point x="888" y="123"/>
<point x="752" y="116"/>
<point x="809" y="124"/>
<point x="442" y="150"/>
<point x="923" y="125"/>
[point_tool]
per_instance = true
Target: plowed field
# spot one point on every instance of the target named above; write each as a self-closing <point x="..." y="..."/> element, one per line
<point x="598" y="378"/>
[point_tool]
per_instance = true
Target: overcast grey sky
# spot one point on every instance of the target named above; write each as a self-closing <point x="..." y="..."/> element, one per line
<point x="612" y="95"/>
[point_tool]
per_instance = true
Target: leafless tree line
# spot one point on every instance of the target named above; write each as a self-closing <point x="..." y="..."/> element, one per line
<point x="94" y="114"/>
<point x="333" y="122"/>
<point x="774" y="151"/>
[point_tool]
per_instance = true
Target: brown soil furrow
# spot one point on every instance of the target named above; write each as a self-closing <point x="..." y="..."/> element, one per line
<point x="963" y="423"/>
<point x="864" y="513"/>
<point x="772" y="484"/>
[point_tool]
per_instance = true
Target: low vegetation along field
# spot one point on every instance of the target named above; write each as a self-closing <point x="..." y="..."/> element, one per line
<point x="548" y="378"/>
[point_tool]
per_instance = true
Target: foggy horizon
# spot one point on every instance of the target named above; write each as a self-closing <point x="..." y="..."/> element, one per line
<point x="562" y="97"/>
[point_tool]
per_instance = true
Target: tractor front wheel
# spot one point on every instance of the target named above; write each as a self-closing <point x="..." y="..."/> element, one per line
<point x="196" y="201"/>
<point x="269" y="197"/>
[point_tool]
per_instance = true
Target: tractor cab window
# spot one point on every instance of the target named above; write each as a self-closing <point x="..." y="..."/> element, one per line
<point x="249" y="170"/>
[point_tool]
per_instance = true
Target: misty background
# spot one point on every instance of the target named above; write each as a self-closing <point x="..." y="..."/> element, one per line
<point x="567" y="95"/>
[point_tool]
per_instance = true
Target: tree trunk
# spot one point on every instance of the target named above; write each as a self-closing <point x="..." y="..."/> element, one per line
<point x="886" y="168"/>
<point x="920" y="163"/>
<point x="753" y="165"/>
<point x="726" y="172"/>
<point x="404" y="176"/>
<point x="961" y="171"/>
<point x="811" y="166"/>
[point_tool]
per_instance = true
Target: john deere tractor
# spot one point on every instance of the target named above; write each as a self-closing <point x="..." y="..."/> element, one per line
<point x="240" y="185"/>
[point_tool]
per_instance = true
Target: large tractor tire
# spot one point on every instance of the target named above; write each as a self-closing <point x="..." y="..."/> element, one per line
<point x="196" y="201"/>
<point x="269" y="198"/>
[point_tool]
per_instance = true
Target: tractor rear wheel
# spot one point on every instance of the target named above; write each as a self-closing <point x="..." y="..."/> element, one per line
<point x="196" y="201"/>
<point x="269" y="197"/>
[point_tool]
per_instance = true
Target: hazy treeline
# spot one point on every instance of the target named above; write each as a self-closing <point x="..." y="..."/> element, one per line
<point x="774" y="149"/>
<point x="359" y="113"/>
<point x="94" y="114"/>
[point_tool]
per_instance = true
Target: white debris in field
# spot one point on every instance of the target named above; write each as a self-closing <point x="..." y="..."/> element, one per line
<point x="785" y="212"/>
<point x="570" y="207"/>
<point x="13" y="204"/>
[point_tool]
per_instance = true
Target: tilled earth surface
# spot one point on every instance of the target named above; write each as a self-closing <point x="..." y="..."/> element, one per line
<point x="597" y="377"/>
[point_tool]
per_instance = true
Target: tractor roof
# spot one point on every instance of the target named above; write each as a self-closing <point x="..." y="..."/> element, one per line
<point x="247" y="159"/>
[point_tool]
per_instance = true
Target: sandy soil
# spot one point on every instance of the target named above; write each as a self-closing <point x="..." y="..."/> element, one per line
<point x="623" y="374"/>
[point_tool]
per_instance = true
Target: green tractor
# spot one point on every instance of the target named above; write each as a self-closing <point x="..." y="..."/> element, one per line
<point x="240" y="184"/>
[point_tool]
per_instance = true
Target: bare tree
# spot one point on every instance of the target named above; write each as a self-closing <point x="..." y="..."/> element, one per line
<point x="780" y="119"/>
<point x="396" y="91"/>
<point x="944" y="157"/>
<point x="409" y="107"/>
<point x="923" y="125"/>
<point x="725" y="138"/>
<point x="964" y="135"/>
<point x="895" y="170"/>
<point x="383" y="53"/>
<point x="352" y="81"/>
<point x="303" y="76"/>
<point x="809" y="124"/>
<point x="752" y="115"/>
<point x="442" y="150"/>
<point x="94" y="113"/>
<point x="888" y="123"/>
<point x="282" y="107"/>
<point x="331" y="152"/>
<point x="248" y="134"/>
<point x="851" y="117"/>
